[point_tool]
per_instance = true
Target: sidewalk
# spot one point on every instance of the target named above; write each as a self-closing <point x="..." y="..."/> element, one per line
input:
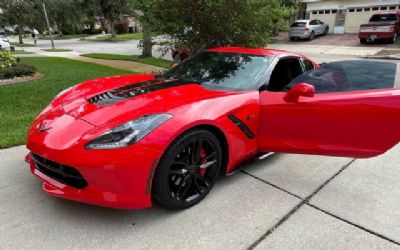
<point x="74" y="55"/>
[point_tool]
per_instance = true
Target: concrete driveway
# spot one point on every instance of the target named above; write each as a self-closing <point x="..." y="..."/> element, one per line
<point x="281" y="202"/>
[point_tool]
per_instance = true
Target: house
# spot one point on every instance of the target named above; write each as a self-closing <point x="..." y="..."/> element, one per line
<point x="344" y="16"/>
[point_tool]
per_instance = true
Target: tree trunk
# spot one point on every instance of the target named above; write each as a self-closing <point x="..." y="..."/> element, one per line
<point x="112" y="24"/>
<point x="147" y="40"/>
<point x="21" y="33"/>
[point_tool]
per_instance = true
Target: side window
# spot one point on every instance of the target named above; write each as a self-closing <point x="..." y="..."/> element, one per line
<point x="313" y="22"/>
<point x="308" y="65"/>
<point x="346" y="76"/>
<point x="285" y="71"/>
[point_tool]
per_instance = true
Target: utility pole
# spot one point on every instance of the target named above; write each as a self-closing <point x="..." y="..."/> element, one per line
<point x="48" y="26"/>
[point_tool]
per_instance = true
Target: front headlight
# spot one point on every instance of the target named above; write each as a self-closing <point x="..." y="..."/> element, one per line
<point x="128" y="133"/>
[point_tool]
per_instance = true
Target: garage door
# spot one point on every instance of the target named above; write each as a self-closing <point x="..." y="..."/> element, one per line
<point x="328" y="18"/>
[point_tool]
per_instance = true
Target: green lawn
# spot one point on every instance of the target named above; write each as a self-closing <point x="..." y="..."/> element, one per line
<point x="121" y="37"/>
<point x="64" y="37"/>
<point x="23" y="45"/>
<point x="57" y="50"/>
<point x="20" y="103"/>
<point x="147" y="60"/>
<point x="20" y="52"/>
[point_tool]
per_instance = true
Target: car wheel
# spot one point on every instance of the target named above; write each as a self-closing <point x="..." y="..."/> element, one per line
<point x="394" y="39"/>
<point x="291" y="38"/>
<point x="363" y="41"/>
<point x="312" y="36"/>
<point x="188" y="170"/>
<point x="326" y="31"/>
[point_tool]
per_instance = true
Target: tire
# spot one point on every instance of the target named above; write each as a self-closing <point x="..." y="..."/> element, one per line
<point x="363" y="41"/>
<point x="182" y="178"/>
<point x="394" y="39"/>
<point x="326" y="31"/>
<point x="291" y="38"/>
<point x="312" y="36"/>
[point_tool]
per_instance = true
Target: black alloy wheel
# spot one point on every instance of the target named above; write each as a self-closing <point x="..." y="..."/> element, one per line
<point x="188" y="170"/>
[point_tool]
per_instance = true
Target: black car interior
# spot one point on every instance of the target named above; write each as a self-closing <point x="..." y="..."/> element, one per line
<point x="284" y="72"/>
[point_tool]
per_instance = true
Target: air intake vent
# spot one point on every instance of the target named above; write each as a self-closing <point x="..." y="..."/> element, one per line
<point x="64" y="174"/>
<point x="137" y="89"/>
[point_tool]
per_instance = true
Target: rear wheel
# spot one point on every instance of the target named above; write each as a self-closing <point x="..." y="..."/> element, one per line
<point x="363" y="40"/>
<point x="394" y="39"/>
<point x="312" y="36"/>
<point x="188" y="170"/>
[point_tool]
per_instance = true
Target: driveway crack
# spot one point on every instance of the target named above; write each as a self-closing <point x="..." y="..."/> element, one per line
<point x="303" y="202"/>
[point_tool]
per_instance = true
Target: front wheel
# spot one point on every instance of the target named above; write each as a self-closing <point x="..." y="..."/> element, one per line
<point x="326" y="31"/>
<point x="188" y="170"/>
<point x="363" y="40"/>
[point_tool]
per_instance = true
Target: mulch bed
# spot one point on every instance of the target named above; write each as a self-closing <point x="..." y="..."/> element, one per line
<point x="22" y="79"/>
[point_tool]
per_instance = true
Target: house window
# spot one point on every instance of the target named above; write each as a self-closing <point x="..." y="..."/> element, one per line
<point x="327" y="12"/>
<point x="351" y="10"/>
<point x="359" y="10"/>
<point x="321" y="12"/>
<point x="315" y="12"/>
<point x="392" y="7"/>
<point x="384" y="8"/>
<point x="375" y="8"/>
<point x="367" y="9"/>
<point x="334" y="11"/>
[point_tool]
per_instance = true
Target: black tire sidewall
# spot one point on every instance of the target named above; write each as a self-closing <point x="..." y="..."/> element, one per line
<point x="160" y="185"/>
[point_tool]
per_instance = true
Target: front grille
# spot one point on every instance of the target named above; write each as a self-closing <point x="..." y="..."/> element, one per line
<point x="64" y="174"/>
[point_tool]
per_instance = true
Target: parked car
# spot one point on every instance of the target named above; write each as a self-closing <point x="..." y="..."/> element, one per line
<point x="125" y="141"/>
<point x="308" y="29"/>
<point x="382" y="26"/>
<point x="4" y="42"/>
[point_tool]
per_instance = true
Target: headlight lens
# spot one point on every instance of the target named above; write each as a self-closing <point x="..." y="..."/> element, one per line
<point x="128" y="133"/>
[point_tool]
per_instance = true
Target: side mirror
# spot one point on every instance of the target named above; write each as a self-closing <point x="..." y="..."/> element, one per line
<point x="301" y="89"/>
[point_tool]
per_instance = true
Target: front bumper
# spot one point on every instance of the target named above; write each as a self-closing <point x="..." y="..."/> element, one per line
<point x="115" y="178"/>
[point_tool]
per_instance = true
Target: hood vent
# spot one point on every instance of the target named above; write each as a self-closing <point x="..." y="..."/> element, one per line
<point x="133" y="90"/>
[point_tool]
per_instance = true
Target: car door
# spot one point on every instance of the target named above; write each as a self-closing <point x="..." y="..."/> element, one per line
<point x="355" y="112"/>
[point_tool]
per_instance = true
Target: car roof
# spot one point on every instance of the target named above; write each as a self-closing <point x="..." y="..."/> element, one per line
<point x="302" y="20"/>
<point x="255" y="51"/>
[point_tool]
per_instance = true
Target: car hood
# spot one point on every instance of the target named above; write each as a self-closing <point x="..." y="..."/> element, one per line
<point x="115" y="100"/>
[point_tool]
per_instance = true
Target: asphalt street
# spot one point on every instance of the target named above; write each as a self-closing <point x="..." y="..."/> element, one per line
<point x="284" y="201"/>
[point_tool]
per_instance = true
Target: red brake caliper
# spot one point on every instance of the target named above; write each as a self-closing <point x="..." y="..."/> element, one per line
<point x="203" y="156"/>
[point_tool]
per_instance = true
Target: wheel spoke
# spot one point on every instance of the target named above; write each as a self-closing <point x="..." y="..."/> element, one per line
<point x="180" y="163"/>
<point x="184" y="188"/>
<point x="208" y="164"/>
<point x="203" y="180"/>
<point x="197" y="186"/>
<point x="196" y="151"/>
<point x="209" y="157"/>
<point x="177" y="171"/>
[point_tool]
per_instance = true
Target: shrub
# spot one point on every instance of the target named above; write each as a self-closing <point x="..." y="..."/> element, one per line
<point x="6" y="60"/>
<point x="17" y="70"/>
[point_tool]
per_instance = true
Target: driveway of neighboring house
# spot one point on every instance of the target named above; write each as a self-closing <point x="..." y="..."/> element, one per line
<point x="332" y="39"/>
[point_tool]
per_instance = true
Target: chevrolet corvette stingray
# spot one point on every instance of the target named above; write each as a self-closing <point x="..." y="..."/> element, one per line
<point x="126" y="141"/>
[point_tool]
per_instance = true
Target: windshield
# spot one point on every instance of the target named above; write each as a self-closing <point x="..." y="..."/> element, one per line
<point x="383" y="18"/>
<point x="221" y="70"/>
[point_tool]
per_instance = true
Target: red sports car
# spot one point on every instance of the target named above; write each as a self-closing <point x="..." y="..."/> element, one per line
<point x="125" y="141"/>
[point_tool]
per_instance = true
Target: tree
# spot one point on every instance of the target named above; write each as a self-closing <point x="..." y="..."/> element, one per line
<point x="21" y="12"/>
<point x="112" y="11"/>
<point x="143" y="11"/>
<point x="208" y="23"/>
